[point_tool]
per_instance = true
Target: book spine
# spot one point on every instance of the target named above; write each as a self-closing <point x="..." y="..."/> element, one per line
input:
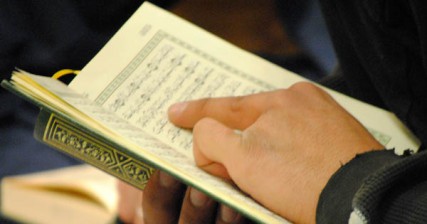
<point x="72" y="139"/>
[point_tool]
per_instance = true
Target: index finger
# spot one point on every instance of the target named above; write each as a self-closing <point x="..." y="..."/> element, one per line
<point x="236" y="112"/>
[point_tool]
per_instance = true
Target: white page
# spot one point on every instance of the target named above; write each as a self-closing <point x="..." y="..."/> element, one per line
<point x="152" y="37"/>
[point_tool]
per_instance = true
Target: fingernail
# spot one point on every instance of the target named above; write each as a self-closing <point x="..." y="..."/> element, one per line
<point x="228" y="215"/>
<point x="197" y="198"/>
<point x="177" y="109"/>
<point x="166" y="180"/>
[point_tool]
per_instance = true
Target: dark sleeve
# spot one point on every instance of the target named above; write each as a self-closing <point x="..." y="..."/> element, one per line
<point x="377" y="187"/>
<point x="380" y="46"/>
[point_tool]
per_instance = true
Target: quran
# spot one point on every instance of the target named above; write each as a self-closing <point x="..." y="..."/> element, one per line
<point x="113" y="115"/>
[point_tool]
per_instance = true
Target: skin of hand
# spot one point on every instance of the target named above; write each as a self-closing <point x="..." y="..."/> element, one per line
<point x="129" y="203"/>
<point x="290" y="143"/>
<point x="166" y="200"/>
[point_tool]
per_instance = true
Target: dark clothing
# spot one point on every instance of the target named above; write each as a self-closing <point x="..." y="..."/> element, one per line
<point x="381" y="48"/>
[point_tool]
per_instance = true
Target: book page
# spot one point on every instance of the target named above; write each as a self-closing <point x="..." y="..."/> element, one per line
<point x="141" y="144"/>
<point x="164" y="70"/>
<point x="157" y="59"/>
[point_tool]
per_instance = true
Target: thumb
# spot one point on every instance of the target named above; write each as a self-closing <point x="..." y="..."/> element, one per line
<point x="215" y="147"/>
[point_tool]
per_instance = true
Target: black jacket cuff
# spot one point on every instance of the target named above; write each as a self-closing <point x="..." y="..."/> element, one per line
<point x="335" y="202"/>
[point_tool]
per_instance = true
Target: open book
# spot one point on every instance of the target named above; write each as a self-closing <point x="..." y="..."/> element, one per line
<point x="72" y="195"/>
<point x="113" y="114"/>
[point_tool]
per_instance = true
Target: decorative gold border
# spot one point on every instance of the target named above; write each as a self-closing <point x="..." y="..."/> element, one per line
<point x="71" y="140"/>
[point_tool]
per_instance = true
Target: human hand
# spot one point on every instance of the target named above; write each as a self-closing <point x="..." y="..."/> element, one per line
<point x="291" y="142"/>
<point x="129" y="207"/>
<point x="166" y="200"/>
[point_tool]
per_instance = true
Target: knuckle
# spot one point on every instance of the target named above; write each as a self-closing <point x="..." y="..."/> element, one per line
<point x="202" y="125"/>
<point x="205" y="104"/>
<point x="237" y="103"/>
<point x="281" y="98"/>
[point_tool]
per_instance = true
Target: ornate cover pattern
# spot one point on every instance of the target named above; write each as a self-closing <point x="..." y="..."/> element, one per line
<point x="63" y="135"/>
